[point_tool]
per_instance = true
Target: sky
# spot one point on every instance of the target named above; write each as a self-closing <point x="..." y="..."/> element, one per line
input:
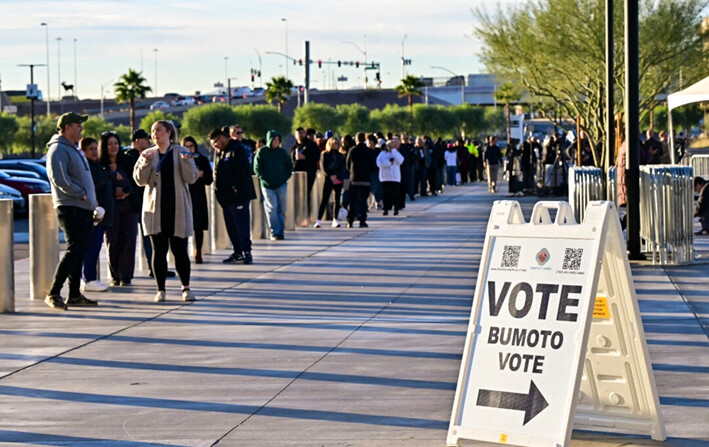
<point x="193" y="38"/>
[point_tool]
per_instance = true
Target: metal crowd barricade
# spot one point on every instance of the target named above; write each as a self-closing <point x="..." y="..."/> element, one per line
<point x="612" y="184"/>
<point x="666" y="203"/>
<point x="700" y="163"/>
<point x="585" y="185"/>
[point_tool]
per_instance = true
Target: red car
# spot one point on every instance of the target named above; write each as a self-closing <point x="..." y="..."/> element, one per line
<point x="26" y="186"/>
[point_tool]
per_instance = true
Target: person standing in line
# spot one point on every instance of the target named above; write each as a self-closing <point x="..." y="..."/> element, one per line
<point x="236" y="132"/>
<point x="493" y="160"/>
<point x="74" y="198"/>
<point x="332" y="165"/>
<point x="389" y="161"/>
<point x="408" y="170"/>
<point x="273" y="167"/>
<point x="701" y="210"/>
<point x="234" y="188"/>
<point x="166" y="170"/>
<point x="421" y="158"/>
<point x="103" y="184"/>
<point x="360" y="162"/>
<point x="198" y="194"/>
<point x="451" y="157"/>
<point x="121" y="236"/>
<point x="305" y="155"/>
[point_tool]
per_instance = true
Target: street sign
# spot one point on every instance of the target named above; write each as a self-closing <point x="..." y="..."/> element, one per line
<point x="32" y="91"/>
<point x="542" y="288"/>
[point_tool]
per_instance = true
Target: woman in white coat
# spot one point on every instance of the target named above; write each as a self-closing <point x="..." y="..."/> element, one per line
<point x="389" y="162"/>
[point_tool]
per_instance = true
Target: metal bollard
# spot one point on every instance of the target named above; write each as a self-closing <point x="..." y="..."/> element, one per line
<point x="316" y="196"/>
<point x="301" y="198"/>
<point x="7" y="264"/>
<point x="44" y="245"/>
<point x="220" y="238"/>
<point x="290" y="205"/>
<point x="259" y="228"/>
<point x="206" y="240"/>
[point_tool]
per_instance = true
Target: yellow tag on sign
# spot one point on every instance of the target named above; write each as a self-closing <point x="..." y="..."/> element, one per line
<point x="600" y="308"/>
<point x="503" y="438"/>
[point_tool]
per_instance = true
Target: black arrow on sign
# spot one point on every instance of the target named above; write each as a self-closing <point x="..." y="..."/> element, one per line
<point x="531" y="403"/>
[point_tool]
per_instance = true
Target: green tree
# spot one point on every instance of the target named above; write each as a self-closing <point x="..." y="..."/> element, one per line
<point x="278" y="89"/>
<point x="199" y="121"/>
<point x="410" y="86"/>
<point x="130" y="86"/>
<point x="392" y="118"/>
<point x="259" y="119"/>
<point x="507" y="93"/>
<point x="556" y="49"/>
<point x="471" y="119"/>
<point x="494" y="120"/>
<point x="45" y="128"/>
<point x="95" y="126"/>
<point x="318" y="116"/>
<point x="436" y="121"/>
<point x="8" y="129"/>
<point x="353" y="118"/>
<point x="157" y="115"/>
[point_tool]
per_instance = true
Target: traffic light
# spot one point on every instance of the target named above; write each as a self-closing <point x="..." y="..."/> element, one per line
<point x="300" y="61"/>
<point x="357" y="64"/>
<point x="378" y="77"/>
<point x="319" y="63"/>
<point x="252" y="78"/>
<point x="339" y="63"/>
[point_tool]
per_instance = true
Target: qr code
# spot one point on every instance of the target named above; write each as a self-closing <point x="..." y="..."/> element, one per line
<point x="572" y="259"/>
<point x="510" y="256"/>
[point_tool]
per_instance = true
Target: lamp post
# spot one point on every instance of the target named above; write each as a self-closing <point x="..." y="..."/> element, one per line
<point x="462" y="83"/>
<point x="260" y="79"/>
<point x="155" y="50"/>
<point x="285" y="21"/>
<point x="226" y="76"/>
<point x="364" y="52"/>
<point x="76" y="97"/>
<point x="403" y="61"/>
<point x="33" y="95"/>
<point x="46" y="35"/>
<point x="228" y="88"/>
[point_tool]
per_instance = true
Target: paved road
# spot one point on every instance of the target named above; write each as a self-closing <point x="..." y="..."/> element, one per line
<point x="333" y="337"/>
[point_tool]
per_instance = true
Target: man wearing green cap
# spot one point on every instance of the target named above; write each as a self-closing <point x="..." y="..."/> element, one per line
<point x="74" y="200"/>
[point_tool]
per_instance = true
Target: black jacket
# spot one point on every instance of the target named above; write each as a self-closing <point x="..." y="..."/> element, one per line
<point x="233" y="182"/>
<point x="312" y="156"/>
<point x="105" y="191"/>
<point x="198" y="193"/>
<point x="332" y="163"/>
<point x="361" y="162"/>
<point x="702" y="208"/>
<point x="127" y="160"/>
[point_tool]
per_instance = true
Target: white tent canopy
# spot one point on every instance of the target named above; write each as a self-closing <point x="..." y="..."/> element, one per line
<point x="698" y="92"/>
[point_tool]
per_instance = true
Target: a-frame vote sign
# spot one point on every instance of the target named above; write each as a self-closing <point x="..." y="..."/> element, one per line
<point x="555" y="335"/>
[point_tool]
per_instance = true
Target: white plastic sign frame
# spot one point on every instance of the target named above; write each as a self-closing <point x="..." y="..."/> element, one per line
<point x="528" y="333"/>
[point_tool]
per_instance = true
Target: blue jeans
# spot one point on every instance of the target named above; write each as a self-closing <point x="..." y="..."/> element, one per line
<point x="92" y="253"/>
<point x="450" y="175"/>
<point x="274" y="200"/>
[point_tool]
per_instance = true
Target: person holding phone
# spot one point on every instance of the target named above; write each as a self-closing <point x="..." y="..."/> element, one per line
<point x="166" y="170"/>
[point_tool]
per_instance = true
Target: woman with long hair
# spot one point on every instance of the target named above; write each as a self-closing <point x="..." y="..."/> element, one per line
<point x="332" y="164"/>
<point x="198" y="194"/>
<point x="166" y="170"/>
<point x="120" y="237"/>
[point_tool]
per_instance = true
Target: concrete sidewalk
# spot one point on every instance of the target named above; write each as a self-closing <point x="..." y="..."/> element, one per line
<point x="333" y="337"/>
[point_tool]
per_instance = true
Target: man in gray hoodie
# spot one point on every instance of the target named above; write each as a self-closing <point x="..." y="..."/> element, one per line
<point x="74" y="200"/>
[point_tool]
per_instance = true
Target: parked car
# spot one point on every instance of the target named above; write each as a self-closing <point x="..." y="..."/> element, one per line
<point x="21" y="173"/>
<point x="19" y="204"/>
<point x="184" y="101"/>
<point x="159" y="105"/>
<point x="26" y="164"/>
<point x="26" y="186"/>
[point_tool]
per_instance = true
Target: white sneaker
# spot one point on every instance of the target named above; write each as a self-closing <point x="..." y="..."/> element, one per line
<point x="160" y="296"/>
<point x="94" y="286"/>
<point x="335" y="223"/>
<point x="187" y="295"/>
<point x="317" y="224"/>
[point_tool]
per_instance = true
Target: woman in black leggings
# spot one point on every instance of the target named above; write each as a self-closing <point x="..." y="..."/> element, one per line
<point x="167" y="169"/>
<point x="332" y="164"/>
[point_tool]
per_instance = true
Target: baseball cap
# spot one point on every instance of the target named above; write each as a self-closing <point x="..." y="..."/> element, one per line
<point x="139" y="134"/>
<point x="70" y="118"/>
<point x="328" y="134"/>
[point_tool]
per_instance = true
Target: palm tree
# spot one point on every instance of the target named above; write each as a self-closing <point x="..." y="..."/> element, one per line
<point x="506" y="94"/>
<point x="130" y="86"/>
<point x="279" y="89"/>
<point x="410" y="86"/>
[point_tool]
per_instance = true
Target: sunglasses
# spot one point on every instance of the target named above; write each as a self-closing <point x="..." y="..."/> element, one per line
<point x="107" y="133"/>
<point x="239" y="132"/>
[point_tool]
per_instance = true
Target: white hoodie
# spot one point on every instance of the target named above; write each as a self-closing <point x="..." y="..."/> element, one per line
<point x="389" y="166"/>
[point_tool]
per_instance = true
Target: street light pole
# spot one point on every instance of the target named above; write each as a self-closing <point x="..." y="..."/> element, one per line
<point x="46" y="35"/>
<point x="403" y="61"/>
<point x="462" y="84"/>
<point x="155" y="50"/>
<point x="32" y="98"/>
<point x="285" y="21"/>
<point x="226" y="76"/>
<point x="260" y="79"/>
